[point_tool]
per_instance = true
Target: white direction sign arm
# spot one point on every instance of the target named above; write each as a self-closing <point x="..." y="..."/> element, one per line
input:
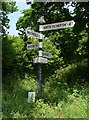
<point x="46" y="54"/>
<point x="40" y="60"/>
<point x="33" y="34"/>
<point x="31" y="46"/>
<point x="55" y="26"/>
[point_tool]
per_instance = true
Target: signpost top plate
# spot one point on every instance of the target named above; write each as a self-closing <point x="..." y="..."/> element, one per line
<point x="41" y="20"/>
<point x="55" y="26"/>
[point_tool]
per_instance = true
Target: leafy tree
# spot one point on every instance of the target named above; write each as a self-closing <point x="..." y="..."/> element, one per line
<point x="16" y="60"/>
<point x="65" y="73"/>
<point x="57" y="12"/>
<point x="81" y="16"/>
<point x="52" y="12"/>
<point x="7" y="49"/>
<point x="70" y="42"/>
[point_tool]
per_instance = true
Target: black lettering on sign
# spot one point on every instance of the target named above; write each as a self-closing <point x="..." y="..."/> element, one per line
<point x="69" y="23"/>
<point x="64" y="24"/>
<point x="47" y="27"/>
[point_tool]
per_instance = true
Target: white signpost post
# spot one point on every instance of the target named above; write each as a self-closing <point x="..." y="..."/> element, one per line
<point x="33" y="34"/>
<point x="56" y="26"/>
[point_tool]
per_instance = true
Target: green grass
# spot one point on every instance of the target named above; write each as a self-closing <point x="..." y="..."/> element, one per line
<point x="15" y="102"/>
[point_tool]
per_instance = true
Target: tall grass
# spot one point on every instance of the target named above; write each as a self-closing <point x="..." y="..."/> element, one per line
<point x="15" y="103"/>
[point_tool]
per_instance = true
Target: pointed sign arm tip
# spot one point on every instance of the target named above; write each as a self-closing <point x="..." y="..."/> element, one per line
<point x="73" y="22"/>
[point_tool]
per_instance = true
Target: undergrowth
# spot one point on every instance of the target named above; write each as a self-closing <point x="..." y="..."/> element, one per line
<point x="15" y="103"/>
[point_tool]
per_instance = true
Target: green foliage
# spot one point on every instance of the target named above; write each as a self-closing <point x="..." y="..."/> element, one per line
<point x="15" y="99"/>
<point x="12" y="51"/>
<point x="68" y="45"/>
<point x="42" y="110"/>
<point x="57" y="86"/>
<point x="81" y="50"/>
<point x="19" y="61"/>
<point x="9" y="7"/>
<point x="70" y="42"/>
<point x="81" y="16"/>
<point x="76" y="107"/>
<point x="58" y="100"/>
<point x="15" y="103"/>
<point x="52" y="12"/>
<point x="65" y="82"/>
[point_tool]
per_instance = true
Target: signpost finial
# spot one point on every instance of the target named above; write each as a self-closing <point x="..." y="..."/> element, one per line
<point x="41" y="20"/>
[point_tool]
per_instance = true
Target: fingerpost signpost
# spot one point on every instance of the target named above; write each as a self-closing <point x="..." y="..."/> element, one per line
<point x="42" y="55"/>
<point x="43" y="60"/>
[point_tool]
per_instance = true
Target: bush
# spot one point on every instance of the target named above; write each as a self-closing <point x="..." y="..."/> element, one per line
<point x="57" y="100"/>
<point x="75" y="107"/>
